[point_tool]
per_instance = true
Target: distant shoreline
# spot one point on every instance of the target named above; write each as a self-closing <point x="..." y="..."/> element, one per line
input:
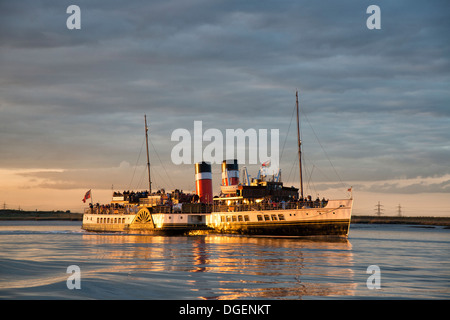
<point x="429" y="221"/>
<point x="73" y="216"/>
<point x="39" y="215"/>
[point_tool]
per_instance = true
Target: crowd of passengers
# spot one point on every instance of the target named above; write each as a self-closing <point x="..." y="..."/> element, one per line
<point x="106" y="206"/>
<point x="284" y="204"/>
<point x="133" y="197"/>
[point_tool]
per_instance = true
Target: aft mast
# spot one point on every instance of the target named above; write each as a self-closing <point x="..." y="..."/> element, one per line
<point x="299" y="147"/>
<point x="148" y="157"/>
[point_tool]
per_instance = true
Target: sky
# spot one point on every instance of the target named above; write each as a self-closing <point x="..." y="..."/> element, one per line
<point x="375" y="103"/>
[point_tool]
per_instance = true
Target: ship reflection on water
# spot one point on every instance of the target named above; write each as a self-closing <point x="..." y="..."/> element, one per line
<point x="228" y="267"/>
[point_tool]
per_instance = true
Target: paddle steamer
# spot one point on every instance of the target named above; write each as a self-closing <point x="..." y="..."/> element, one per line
<point x="259" y="206"/>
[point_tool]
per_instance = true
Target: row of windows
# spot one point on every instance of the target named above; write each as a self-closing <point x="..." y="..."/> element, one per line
<point x="240" y="218"/>
<point x="110" y="220"/>
<point x="272" y="217"/>
<point x="234" y="218"/>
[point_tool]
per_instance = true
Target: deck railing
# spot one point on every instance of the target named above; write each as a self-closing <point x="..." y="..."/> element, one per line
<point x="268" y="206"/>
<point x="109" y="210"/>
<point x="207" y="208"/>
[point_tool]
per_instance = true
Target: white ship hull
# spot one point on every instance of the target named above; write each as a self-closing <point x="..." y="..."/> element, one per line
<point x="144" y="222"/>
<point x="331" y="220"/>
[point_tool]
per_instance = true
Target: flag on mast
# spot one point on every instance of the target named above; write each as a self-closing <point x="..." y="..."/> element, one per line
<point x="87" y="196"/>
<point x="266" y="163"/>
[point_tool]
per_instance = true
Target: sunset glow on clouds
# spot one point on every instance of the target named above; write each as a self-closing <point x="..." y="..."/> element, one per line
<point x="72" y="101"/>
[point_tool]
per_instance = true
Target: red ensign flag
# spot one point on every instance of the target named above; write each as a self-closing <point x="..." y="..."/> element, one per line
<point x="87" y="196"/>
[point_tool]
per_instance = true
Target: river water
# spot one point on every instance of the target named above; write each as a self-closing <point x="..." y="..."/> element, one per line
<point x="37" y="259"/>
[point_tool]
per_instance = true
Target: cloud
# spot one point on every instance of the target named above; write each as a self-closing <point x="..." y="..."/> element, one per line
<point x="100" y="178"/>
<point x="74" y="100"/>
<point x="401" y="186"/>
<point x="434" y="185"/>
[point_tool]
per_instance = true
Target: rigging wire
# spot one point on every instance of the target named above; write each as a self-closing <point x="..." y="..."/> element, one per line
<point x="145" y="168"/>
<point x="309" y="183"/>
<point x="323" y="149"/>
<point x="135" y="166"/>
<point x="292" y="167"/>
<point x="164" y="168"/>
<point x="287" y="134"/>
<point x="143" y="174"/>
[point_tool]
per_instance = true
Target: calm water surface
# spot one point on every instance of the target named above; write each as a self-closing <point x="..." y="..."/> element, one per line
<point x="414" y="263"/>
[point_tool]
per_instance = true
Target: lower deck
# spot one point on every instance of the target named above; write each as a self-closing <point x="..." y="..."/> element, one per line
<point x="332" y="220"/>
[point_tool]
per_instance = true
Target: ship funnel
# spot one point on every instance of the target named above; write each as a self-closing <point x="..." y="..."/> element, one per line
<point x="203" y="182"/>
<point x="230" y="172"/>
